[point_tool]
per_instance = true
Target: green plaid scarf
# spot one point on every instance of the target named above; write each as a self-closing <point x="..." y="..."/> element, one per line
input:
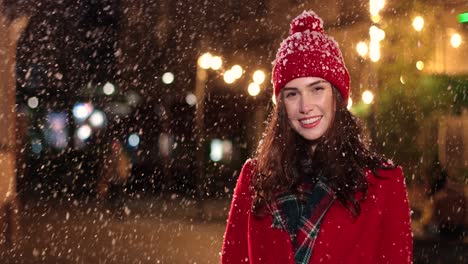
<point x="301" y="219"/>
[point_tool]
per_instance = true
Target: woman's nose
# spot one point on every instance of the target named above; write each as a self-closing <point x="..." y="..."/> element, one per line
<point x="306" y="106"/>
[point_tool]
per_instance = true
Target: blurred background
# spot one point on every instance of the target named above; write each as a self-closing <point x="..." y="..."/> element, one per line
<point x="124" y="124"/>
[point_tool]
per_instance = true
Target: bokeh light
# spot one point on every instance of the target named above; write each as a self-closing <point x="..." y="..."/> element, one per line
<point x="367" y="97"/>
<point x="418" y="23"/>
<point x="253" y="89"/>
<point x="33" y="102"/>
<point x="108" y="88"/>
<point x="259" y="77"/>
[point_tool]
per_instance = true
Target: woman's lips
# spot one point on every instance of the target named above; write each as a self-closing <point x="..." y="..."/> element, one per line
<point x="310" y="122"/>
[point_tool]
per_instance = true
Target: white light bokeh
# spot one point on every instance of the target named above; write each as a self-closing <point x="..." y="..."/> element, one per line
<point x="374" y="51"/>
<point x="418" y="23"/>
<point x="376" y="33"/>
<point x="253" y="89"/>
<point x="259" y="77"/>
<point x="456" y="40"/>
<point x="191" y="99"/>
<point x="134" y="140"/>
<point x="420" y="65"/>
<point x="108" y="88"/>
<point x="367" y="97"/>
<point x="216" y="63"/>
<point x="33" y="102"/>
<point x="362" y="49"/>
<point x="97" y="119"/>
<point x="81" y="111"/>
<point x="237" y="71"/>
<point x="375" y="6"/>
<point x="204" y="61"/>
<point x="84" y="132"/>
<point x="216" y="150"/>
<point x="168" y="78"/>
<point x="229" y="77"/>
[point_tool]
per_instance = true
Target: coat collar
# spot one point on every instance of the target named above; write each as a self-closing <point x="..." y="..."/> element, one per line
<point x="302" y="219"/>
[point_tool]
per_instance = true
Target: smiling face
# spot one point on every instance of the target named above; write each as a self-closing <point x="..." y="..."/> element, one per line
<point x="310" y="106"/>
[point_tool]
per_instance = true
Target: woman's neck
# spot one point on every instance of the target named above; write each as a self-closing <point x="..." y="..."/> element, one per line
<point x="312" y="148"/>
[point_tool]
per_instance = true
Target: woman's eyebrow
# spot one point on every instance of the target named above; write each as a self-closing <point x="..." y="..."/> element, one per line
<point x="308" y="85"/>
<point x="316" y="82"/>
<point x="290" y="88"/>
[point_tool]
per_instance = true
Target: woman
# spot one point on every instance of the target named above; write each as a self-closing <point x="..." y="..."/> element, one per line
<point x="314" y="193"/>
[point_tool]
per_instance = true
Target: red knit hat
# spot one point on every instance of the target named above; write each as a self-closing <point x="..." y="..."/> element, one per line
<point x="309" y="52"/>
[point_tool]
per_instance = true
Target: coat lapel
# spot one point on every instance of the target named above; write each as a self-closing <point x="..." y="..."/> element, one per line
<point x="321" y="198"/>
<point x="303" y="232"/>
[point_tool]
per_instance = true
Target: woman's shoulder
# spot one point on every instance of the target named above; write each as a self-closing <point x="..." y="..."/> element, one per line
<point x="387" y="184"/>
<point x="388" y="174"/>
<point x="249" y="164"/>
<point x="245" y="177"/>
<point x="248" y="169"/>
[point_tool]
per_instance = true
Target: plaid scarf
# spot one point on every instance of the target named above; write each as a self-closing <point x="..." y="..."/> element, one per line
<point x="301" y="219"/>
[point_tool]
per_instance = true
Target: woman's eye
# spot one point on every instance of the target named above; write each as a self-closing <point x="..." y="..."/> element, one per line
<point x="291" y="94"/>
<point x="318" y="88"/>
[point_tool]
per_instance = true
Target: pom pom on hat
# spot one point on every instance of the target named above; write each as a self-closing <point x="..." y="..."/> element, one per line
<point x="309" y="52"/>
<point x="307" y="21"/>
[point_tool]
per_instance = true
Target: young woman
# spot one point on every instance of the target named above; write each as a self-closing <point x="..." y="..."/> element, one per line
<point x="313" y="192"/>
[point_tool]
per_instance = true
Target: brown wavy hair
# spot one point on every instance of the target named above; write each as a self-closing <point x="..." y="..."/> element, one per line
<point x="340" y="156"/>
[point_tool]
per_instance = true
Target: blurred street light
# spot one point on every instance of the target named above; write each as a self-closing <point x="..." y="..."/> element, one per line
<point x="253" y="89"/>
<point x="237" y="71"/>
<point x="204" y="61"/>
<point x="216" y="151"/>
<point x="84" y="132"/>
<point x="97" y="119"/>
<point x="374" y="8"/>
<point x="134" y="140"/>
<point x="168" y="78"/>
<point x="33" y="102"/>
<point x="108" y="88"/>
<point x="418" y="23"/>
<point x="374" y="51"/>
<point x="229" y="77"/>
<point x="376" y="35"/>
<point x="455" y="40"/>
<point x="216" y="63"/>
<point x="190" y="99"/>
<point x="362" y="49"/>
<point x="420" y="65"/>
<point x="259" y="77"/>
<point x="81" y="111"/>
<point x="367" y="97"/>
<point x="233" y="74"/>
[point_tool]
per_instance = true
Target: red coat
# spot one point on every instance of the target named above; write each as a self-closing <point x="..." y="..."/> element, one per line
<point x="381" y="233"/>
